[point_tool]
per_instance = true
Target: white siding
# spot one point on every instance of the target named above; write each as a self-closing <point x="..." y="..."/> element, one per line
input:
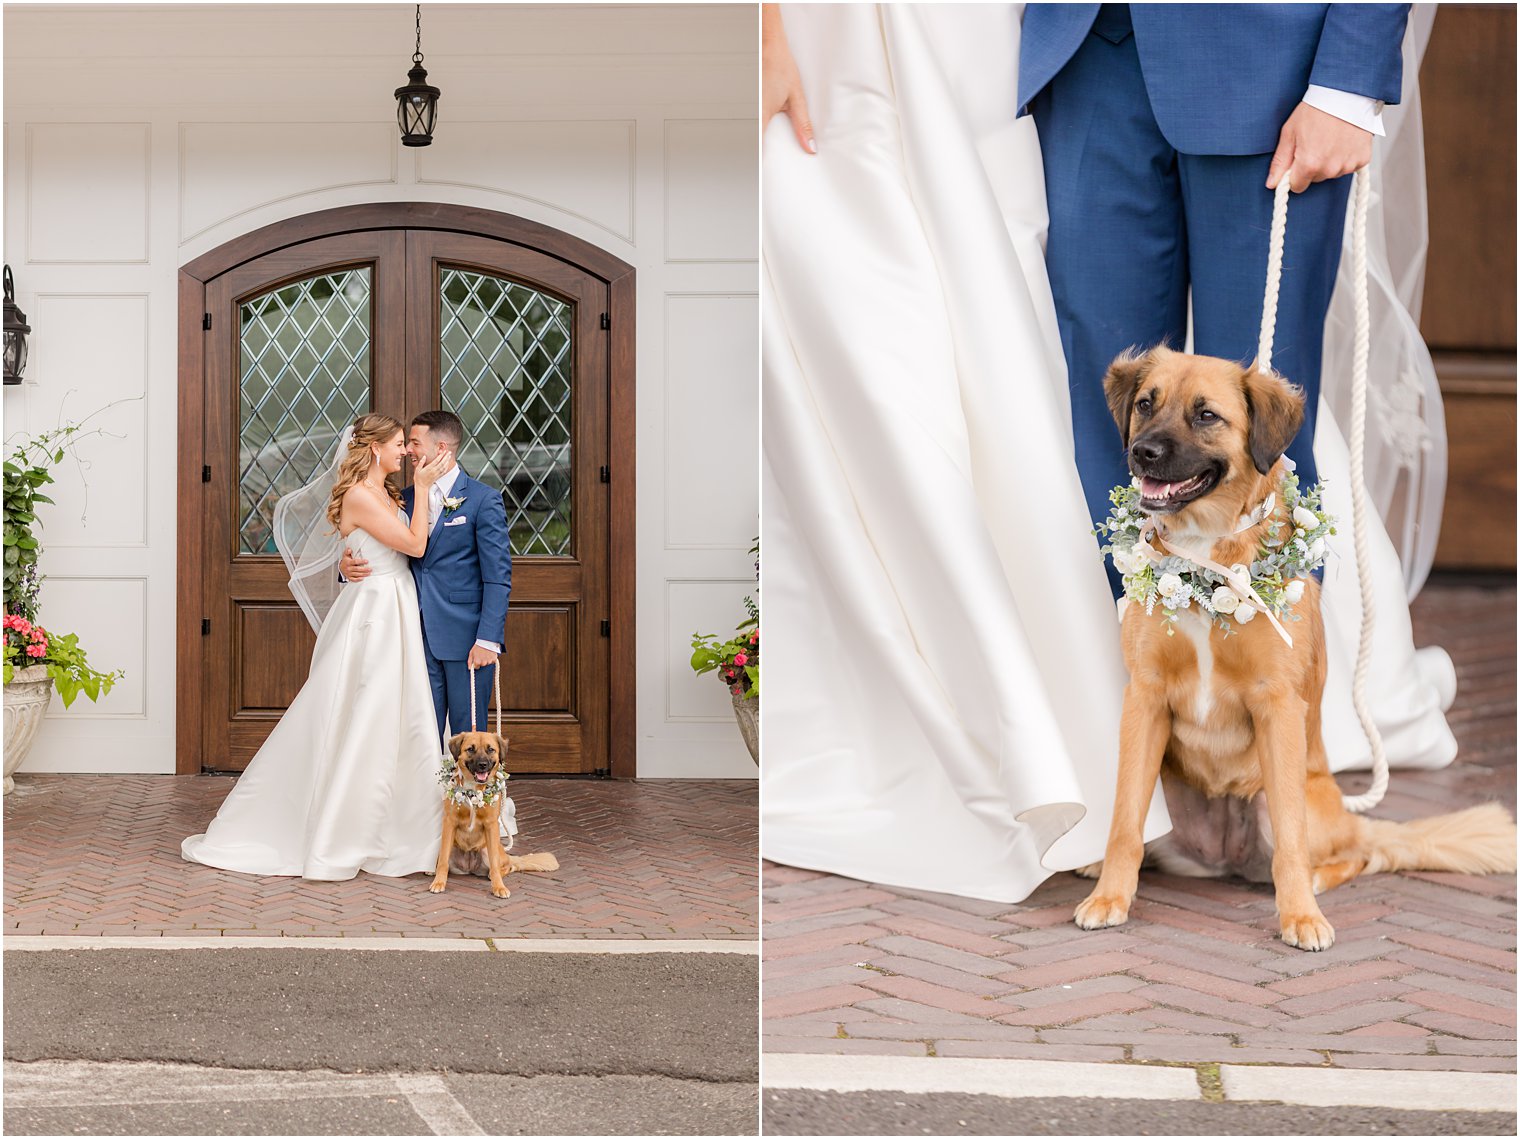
<point x="138" y="138"/>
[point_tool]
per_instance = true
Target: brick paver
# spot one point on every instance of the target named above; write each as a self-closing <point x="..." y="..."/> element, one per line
<point x="1422" y="975"/>
<point x="667" y="859"/>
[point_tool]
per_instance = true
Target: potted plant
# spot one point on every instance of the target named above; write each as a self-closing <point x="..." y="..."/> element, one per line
<point x="36" y="660"/>
<point x="737" y="663"/>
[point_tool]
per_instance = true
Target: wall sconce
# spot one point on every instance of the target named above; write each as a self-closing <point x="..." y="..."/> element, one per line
<point x="16" y="330"/>
<point x="417" y="103"/>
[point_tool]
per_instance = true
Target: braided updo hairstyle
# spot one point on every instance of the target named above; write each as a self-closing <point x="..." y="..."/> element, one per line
<point x="355" y="465"/>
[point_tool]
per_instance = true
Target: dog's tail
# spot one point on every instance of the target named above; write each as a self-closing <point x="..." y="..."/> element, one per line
<point x="1479" y="840"/>
<point x="540" y="862"/>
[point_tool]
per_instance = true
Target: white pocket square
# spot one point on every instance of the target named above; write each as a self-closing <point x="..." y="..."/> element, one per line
<point x="460" y="521"/>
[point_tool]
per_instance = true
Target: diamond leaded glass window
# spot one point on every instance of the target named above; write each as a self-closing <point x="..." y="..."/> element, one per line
<point x="506" y="367"/>
<point x="304" y="375"/>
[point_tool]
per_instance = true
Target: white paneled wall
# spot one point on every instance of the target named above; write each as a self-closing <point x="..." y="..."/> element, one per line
<point x="138" y="138"/>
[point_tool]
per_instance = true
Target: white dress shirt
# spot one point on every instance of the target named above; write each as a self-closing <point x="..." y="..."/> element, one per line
<point x="1358" y="110"/>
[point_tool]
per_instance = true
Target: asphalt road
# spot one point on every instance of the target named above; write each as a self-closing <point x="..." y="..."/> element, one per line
<point x="895" y="1113"/>
<point x="326" y="1042"/>
<point x="685" y="1016"/>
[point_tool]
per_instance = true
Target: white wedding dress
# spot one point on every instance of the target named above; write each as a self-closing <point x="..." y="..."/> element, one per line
<point x="348" y="779"/>
<point x="943" y="672"/>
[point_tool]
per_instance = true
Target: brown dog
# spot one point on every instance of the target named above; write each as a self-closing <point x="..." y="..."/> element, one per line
<point x="1229" y="720"/>
<point x="471" y="842"/>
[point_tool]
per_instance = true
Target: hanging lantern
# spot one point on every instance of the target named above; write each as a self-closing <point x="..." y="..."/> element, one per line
<point x="16" y="330"/>
<point x="417" y="103"/>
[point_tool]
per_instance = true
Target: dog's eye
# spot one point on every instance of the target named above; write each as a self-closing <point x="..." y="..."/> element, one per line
<point x="1143" y="405"/>
<point x="1207" y="416"/>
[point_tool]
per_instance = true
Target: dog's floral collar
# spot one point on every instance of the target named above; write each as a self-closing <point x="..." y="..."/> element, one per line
<point x="476" y="796"/>
<point x="1293" y="546"/>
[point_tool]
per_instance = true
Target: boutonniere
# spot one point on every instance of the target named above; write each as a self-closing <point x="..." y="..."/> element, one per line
<point x="452" y="504"/>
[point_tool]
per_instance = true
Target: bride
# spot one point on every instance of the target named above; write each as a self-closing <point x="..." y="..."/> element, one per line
<point x="347" y="781"/>
<point x="944" y="677"/>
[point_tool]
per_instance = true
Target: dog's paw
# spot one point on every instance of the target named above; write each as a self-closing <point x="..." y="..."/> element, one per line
<point x="1099" y="911"/>
<point x="500" y="892"/>
<point x="1091" y="870"/>
<point x="1308" y="931"/>
<point x="438" y="886"/>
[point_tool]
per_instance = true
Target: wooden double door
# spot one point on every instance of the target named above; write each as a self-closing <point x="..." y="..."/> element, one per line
<point x="297" y="342"/>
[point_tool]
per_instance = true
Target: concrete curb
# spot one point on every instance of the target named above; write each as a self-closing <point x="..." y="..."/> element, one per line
<point x="1027" y="1079"/>
<point x="32" y="944"/>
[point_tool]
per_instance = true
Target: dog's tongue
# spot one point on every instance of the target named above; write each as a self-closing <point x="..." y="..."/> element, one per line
<point x="482" y="776"/>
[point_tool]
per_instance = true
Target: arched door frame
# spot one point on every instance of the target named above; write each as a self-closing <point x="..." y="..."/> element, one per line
<point x="193" y="280"/>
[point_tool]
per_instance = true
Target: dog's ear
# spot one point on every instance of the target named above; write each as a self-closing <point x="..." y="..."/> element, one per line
<point x="501" y="747"/>
<point x="456" y="745"/>
<point x="1122" y="383"/>
<point x="1276" y="410"/>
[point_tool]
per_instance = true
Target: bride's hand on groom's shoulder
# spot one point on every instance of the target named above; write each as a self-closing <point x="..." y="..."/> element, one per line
<point x="780" y="82"/>
<point x="1316" y="145"/>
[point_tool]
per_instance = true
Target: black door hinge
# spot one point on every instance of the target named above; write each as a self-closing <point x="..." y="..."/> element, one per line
<point x="603" y="773"/>
<point x="606" y="474"/>
<point x="606" y="628"/>
<point x="205" y="626"/>
<point x="206" y="322"/>
<point x="606" y="321"/>
<point x="205" y="474"/>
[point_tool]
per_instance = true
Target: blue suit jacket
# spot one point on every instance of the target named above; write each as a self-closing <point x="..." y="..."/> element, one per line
<point x="464" y="579"/>
<point x="1223" y="78"/>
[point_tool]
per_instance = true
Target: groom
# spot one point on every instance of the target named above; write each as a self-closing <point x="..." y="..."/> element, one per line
<point x="464" y="579"/>
<point x="1164" y="128"/>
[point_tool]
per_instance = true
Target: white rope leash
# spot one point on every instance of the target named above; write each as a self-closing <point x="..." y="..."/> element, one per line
<point x="496" y="686"/>
<point x="1361" y="196"/>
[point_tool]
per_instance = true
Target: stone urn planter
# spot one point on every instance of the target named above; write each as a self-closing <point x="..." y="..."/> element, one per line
<point x="26" y="699"/>
<point x="747" y="712"/>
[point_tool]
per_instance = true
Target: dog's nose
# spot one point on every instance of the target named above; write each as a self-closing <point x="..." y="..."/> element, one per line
<point x="1149" y="450"/>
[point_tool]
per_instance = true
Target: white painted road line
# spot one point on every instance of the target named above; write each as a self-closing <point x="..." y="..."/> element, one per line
<point x="28" y="944"/>
<point x="1346" y="1087"/>
<point x="83" y="1083"/>
<point x="1012" y="1079"/>
<point x="436" y="1106"/>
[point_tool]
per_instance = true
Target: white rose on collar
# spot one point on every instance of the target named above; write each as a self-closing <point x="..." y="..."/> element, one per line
<point x="1225" y="600"/>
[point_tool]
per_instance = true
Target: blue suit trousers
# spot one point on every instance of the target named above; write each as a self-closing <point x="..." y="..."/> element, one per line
<point x="1137" y="227"/>
<point x="451" y="695"/>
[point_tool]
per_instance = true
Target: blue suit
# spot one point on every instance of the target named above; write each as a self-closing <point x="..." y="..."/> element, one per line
<point x="1157" y="124"/>
<point x="464" y="582"/>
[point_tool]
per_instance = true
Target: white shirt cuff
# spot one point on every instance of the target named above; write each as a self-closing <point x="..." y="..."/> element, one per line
<point x="492" y="645"/>
<point x="1358" y="110"/>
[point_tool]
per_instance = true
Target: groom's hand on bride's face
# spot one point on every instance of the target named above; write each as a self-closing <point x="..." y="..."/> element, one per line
<point x="353" y="568"/>
<point x="1316" y="146"/>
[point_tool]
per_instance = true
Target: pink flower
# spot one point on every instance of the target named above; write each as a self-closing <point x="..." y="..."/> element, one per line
<point x="740" y="659"/>
<point x="728" y="672"/>
<point x="754" y="638"/>
<point x="39" y="636"/>
<point x="36" y="650"/>
<point x="737" y="690"/>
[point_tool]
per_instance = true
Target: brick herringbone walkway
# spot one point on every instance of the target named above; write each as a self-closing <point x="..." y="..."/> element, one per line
<point x="99" y="854"/>
<point x="1422" y="974"/>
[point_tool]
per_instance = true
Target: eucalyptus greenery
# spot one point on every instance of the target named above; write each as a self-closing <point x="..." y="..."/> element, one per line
<point x="1293" y="545"/>
<point x="477" y="796"/>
